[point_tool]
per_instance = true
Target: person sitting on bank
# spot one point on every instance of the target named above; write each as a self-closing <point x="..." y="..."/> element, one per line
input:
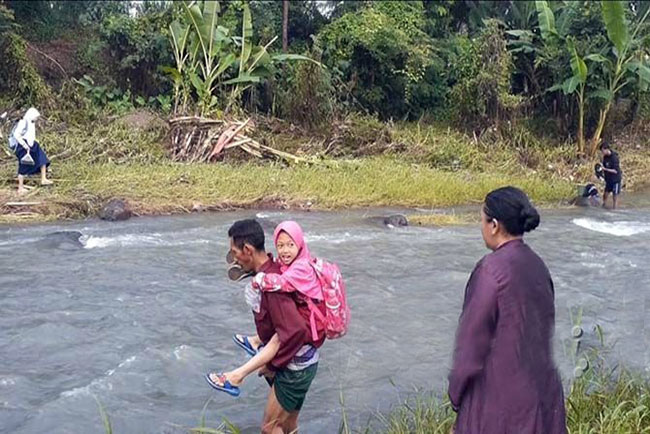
<point x="588" y="197"/>
<point x="613" y="174"/>
<point x="31" y="158"/>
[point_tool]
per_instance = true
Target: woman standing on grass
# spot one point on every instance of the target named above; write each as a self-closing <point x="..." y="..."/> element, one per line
<point x="31" y="158"/>
<point x="503" y="378"/>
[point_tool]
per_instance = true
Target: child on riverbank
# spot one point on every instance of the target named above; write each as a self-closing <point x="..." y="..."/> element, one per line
<point x="299" y="276"/>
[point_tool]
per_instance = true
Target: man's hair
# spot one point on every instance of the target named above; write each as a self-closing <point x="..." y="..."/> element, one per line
<point x="605" y="145"/>
<point x="247" y="231"/>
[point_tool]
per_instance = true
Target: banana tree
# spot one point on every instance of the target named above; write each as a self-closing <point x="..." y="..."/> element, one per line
<point x="205" y="55"/>
<point x="628" y="65"/>
<point x="255" y="62"/>
<point x="179" y="36"/>
<point x="210" y="43"/>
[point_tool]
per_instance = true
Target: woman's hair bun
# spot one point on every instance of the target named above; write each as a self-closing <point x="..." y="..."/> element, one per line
<point x="529" y="218"/>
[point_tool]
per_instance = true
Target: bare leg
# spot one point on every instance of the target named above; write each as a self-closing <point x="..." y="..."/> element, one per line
<point x="275" y="417"/>
<point x="614" y="199"/>
<point x="21" y="185"/>
<point x="291" y="424"/>
<point x="605" y="194"/>
<point x="267" y="353"/>
<point x="44" y="180"/>
<point x="255" y="341"/>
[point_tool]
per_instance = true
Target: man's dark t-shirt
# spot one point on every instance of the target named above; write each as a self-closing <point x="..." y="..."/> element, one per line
<point x="612" y="162"/>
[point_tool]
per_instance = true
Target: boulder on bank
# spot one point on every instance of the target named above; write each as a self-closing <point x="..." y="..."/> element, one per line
<point x="396" y="220"/>
<point x="115" y="210"/>
<point x="391" y="221"/>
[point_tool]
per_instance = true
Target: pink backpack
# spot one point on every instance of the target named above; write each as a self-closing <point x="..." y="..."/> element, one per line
<point x="337" y="316"/>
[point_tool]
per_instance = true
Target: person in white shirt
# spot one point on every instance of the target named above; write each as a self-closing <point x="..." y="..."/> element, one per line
<point x="31" y="158"/>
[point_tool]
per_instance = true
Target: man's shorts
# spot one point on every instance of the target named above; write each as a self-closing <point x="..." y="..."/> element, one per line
<point x="613" y="187"/>
<point x="291" y="387"/>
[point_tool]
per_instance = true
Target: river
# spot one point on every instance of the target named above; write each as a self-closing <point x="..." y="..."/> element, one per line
<point x="138" y="314"/>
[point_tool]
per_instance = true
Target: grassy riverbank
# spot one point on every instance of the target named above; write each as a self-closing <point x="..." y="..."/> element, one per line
<point x="175" y="188"/>
<point x="410" y="165"/>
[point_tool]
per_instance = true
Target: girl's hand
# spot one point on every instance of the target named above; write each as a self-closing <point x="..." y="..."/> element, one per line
<point x="258" y="281"/>
<point x="264" y="371"/>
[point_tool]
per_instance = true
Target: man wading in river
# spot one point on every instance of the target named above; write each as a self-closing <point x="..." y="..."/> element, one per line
<point x="613" y="174"/>
<point x="285" y="315"/>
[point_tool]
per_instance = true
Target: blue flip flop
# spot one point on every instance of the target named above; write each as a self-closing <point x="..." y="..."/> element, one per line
<point x="245" y="345"/>
<point x="225" y="385"/>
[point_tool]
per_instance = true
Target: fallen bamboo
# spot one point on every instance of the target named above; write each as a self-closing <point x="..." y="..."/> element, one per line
<point x="195" y="119"/>
<point x="22" y="203"/>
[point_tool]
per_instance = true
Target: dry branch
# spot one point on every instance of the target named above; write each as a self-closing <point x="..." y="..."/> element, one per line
<point x="197" y="139"/>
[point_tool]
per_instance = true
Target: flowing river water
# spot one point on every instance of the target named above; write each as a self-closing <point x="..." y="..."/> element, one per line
<point x="138" y="314"/>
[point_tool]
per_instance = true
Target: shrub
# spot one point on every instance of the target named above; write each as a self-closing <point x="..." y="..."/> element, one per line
<point x="383" y="51"/>
<point x="481" y="96"/>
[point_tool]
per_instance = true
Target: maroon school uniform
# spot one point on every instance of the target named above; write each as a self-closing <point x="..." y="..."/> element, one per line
<point x="286" y="314"/>
<point x="503" y="378"/>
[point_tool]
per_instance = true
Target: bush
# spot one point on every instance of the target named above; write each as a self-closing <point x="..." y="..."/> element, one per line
<point x="481" y="96"/>
<point x="304" y="93"/>
<point x="138" y="47"/>
<point x="18" y="77"/>
<point x="384" y="52"/>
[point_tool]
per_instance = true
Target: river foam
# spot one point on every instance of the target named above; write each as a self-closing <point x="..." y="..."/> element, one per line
<point x="618" y="228"/>
<point x="95" y="242"/>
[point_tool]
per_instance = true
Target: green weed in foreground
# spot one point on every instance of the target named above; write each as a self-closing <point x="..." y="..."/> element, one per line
<point x="599" y="402"/>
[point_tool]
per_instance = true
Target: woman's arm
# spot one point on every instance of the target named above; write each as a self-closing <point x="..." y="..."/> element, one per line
<point x="475" y="331"/>
<point x="18" y="136"/>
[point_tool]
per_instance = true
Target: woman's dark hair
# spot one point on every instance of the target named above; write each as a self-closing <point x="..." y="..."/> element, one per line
<point x="605" y="145"/>
<point x="247" y="232"/>
<point x="512" y="208"/>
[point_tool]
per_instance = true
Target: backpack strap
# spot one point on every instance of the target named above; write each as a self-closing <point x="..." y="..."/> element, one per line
<point x="314" y="313"/>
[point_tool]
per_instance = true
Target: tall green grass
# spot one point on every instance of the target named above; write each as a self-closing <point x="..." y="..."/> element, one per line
<point x="165" y="187"/>
<point x="602" y="401"/>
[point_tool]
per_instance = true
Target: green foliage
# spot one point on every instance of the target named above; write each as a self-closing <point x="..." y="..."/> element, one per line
<point x="137" y="47"/>
<point x="614" y="17"/>
<point x="114" y="99"/>
<point x="43" y="20"/>
<point x="206" y="54"/>
<point x="482" y="95"/>
<point x="601" y="401"/>
<point x="305" y="94"/>
<point x="7" y="21"/>
<point x="18" y="77"/>
<point x="384" y="51"/>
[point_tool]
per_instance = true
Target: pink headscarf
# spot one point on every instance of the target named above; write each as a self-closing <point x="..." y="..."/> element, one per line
<point x="300" y="274"/>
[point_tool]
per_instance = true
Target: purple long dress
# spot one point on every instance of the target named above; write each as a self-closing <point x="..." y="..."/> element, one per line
<point x="503" y="378"/>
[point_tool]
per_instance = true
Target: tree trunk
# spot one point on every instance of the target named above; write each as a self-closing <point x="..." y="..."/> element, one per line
<point x="285" y="25"/>
<point x="581" y="121"/>
<point x="599" y="129"/>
